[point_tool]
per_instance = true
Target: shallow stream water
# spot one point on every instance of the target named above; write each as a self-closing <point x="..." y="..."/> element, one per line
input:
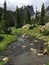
<point x="24" y="52"/>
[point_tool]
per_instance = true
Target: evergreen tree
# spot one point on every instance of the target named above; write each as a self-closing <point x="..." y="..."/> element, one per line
<point x="5" y="10"/>
<point x="18" y="22"/>
<point x="4" y="18"/>
<point x="42" y="15"/>
<point x="21" y="11"/>
<point x="28" y="17"/>
<point x="36" y="18"/>
<point x="2" y="23"/>
<point x="0" y="13"/>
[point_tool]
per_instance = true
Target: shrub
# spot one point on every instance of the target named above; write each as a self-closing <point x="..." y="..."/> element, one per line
<point x="45" y="32"/>
<point x="48" y="48"/>
<point x="8" y="30"/>
<point x="1" y="38"/>
<point x="31" y="27"/>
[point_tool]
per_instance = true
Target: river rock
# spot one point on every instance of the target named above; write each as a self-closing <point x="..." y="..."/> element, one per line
<point x="23" y="35"/>
<point x="40" y="54"/>
<point x="45" y="52"/>
<point x="26" y="26"/>
<point x="23" y="46"/>
<point x="31" y="43"/>
<point x="31" y="49"/>
<point x="5" y="59"/>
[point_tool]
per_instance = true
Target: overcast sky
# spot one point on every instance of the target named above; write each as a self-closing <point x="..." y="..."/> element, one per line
<point x="13" y="3"/>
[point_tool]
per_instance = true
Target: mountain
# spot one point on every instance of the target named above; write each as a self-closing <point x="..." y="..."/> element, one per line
<point x="47" y="11"/>
<point x="30" y="8"/>
<point x="24" y="9"/>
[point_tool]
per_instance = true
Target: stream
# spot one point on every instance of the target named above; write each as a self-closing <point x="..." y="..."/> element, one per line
<point x="24" y="52"/>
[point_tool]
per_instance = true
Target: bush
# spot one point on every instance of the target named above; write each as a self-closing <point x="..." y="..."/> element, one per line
<point x="48" y="49"/>
<point x="31" y="27"/>
<point x="8" y="30"/>
<point x="45" y="32"/>
<point x="1" y="38"/>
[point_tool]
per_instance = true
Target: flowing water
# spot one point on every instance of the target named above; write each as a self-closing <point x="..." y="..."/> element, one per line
<point x="24" y="52"/>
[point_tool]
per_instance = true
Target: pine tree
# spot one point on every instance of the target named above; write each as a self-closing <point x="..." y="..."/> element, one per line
<point x="5" y="10"/>
<point x="4" y="14"/>
<point x="43" y="15"/>
<point x="2" y="21"/>
<point x="28" y="17"/>
<point x="18" y="22"/>
<point x="36" y="18"/>
<point x="4" y="18"/>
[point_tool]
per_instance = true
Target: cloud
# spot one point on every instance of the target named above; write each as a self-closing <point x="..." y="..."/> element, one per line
<point x="13" y="3"/>
<point x="47" y="3"/>
<point x="1" y="3"/>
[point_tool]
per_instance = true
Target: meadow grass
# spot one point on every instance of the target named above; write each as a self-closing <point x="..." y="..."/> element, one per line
<point x="32" y="32"/>
<point x="7" y="39"/>
<point x="35" y="32"/>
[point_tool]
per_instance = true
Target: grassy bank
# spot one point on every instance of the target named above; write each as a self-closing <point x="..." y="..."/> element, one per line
<point x="32" y="32"/>
<point x="6" y="40"/>
<point x="2" y="63"/>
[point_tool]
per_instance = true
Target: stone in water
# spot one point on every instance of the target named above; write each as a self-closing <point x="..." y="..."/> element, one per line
<point x="23" y="46"/>
<point x="5" y="59"/>
<point x="40" y="54"/>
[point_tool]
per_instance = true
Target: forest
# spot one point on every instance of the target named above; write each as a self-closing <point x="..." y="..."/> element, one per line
<point x="24" y="32"/>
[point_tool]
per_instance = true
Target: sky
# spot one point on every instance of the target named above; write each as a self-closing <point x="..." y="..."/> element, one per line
<point x="11" y="4"/>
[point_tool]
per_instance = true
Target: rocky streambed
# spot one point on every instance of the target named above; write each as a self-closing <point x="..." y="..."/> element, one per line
<point x="25" y="52"/>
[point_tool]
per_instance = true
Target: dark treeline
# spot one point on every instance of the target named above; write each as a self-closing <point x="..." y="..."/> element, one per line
<point x="20" y="17"/>
<point x="16" y="19"/>
<point x="11" y="17"/>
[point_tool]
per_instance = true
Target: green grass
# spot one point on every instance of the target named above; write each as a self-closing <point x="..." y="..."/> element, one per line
<point x="7" y="39"/>
<point x="47" y="63"/>
<point x="32" y="32"/>
<point x="2" y="63"/>
<point x="35" y="32"/>
<point x="20" y="30"/>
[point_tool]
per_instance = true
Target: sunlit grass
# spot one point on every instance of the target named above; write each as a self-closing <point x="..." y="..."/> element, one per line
<point x="2" y="63"/>
<point x="32" y="32"/>
<point x="6" y="41"/>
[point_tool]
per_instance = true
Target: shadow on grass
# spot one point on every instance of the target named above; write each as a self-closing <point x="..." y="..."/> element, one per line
<point x="1" y="38"/>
